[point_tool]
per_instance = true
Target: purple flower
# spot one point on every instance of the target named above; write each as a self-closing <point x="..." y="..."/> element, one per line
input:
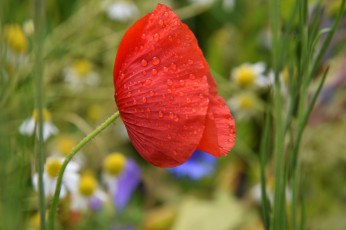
<point x="127" y="182"/>
<point x="198" y="166"/>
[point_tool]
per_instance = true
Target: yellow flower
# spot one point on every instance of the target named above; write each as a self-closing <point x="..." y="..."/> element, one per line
<point x="244" y="105"/>
<point x="114" y="163"/>
<point x="53" y="167"/>
<point x="250" y="75"/>
<point x="87" y="185"/>
<point x="15" y="38"/>
<point x="82" y="66"/>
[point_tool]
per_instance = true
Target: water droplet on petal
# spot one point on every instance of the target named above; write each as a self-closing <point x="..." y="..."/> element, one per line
<point x="156" y="37"/>
<point x="134" y="102"/>
<point x="144" y="73"/>
<point x="181" y="82"/>
<point x="188" y="100"/>
<point x="144" y="63"/>
<point x="175" y="153"/>
<point x="144" y="99"/>
<point x="154" y="71"/>
<point x="190" y="62"/>
<point x="169" y="137"/>
<point x="151" y="93"/>
<point x="192" y="76"/>
<point x="122" y="76"/>
<point x="143" y="36"/>
<point x="176" y="118"/>
<point x="170" y="38"/>
<point x="139" y="84"/>
<point x="165" y="69"/>
<point x="195" y="84"/>
<point x="155" y="61"/>
<point x="147" y="82"/>
<point x="169" y="82"/>
<point x="181" y="94"/>
<point x="194" y="110"/>
<point x="148" y="110"/>
<point x="171" y="115"/>
<point x="165" y="13"/>
<point x="129" y="94"/>
<point x="160" y="114"/>
<point x="160" y="22"/>
<point x="173" y="66"/>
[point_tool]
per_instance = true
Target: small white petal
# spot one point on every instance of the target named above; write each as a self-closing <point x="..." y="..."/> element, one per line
<point x="27" y="127"/>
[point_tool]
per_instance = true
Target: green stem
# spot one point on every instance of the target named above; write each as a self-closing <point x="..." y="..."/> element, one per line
<point x="68" y="158"/>
<point x="38" y="70"/>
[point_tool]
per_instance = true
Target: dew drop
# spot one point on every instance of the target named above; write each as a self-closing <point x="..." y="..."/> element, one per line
<point x="171" y="115"/>
<point x="176" y="22"/>
<point x="186" y="117"/>
<point x="154" y="71"/>
<point x="188" y="100"/>
<point x="176" y="118"/>
<point x="166" y="14"/>
<point x="195" y="84"/>
<point x="151" y="93"/>
<point x="134" y="102"/>
<point x="160" y="114"/>
<point x="144" y="73"/>
<point x="190" y="62"/>
<point x="143" y="36"/>
<point x="139" y="84"/>
<point x="169" y="82"/>
<point x="185" y="127"/>
<point x="195" y="132"/>
<point x="165" y="69"/>
<point x="169" y="137"/>
<point x="155" y="61"/>
<point x="129" y="94"/>
<point x="144" y="63"/>
<point x="156" y="37"/>
<point x="170" y="38"/>
<point x="175" y="153"/>
<point x="181" y="82"/>
<point x="192" y="76"/>
<point x="144" y="99"/>
<point x="163" y="96"/>
<point x="181" y="94"/>
<point x="160" y="22"/>
<point x="169" y="90"/>
<point x="147" y="82"/>
<point x="148" y="110"/>
<point x="122" y="76"/>
<point x="194" y="110"/>
<point x="173" y="66"/>
<point x="135" y="111"/>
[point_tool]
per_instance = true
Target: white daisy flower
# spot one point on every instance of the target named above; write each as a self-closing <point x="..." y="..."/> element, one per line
<point x="28" y="27"/>
<point x="250" y="75"/>
<point x="228" y="5"/>
<point x="202" y="2"/>
<point x="113" y="165"/>
<point x="283" y="79"/>
<point x="87" y="191"/>
<point x="51" y="170"/>
<point x="245" y="105"/>
<point x="256" y="193"/>
<point x="62" y="145"/>
<point x="28" y="126"/>
<point x="122" y="11"/>
<point x="80" y="74"/>
<point x="16" y="44"/>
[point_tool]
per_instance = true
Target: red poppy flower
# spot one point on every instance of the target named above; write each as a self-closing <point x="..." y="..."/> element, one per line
<point x="166" y="94"/>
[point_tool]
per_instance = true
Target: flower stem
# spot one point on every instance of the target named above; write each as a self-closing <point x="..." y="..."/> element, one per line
<point x="68" y="158"/>
<point x="38" y="72"/>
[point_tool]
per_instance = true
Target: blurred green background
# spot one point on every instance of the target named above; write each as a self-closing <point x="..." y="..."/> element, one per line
<point x="79" y="49"/>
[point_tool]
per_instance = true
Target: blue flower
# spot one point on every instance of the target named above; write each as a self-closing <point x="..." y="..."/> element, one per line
<point x="127" y="182"/>
<point x="199" y="165"/>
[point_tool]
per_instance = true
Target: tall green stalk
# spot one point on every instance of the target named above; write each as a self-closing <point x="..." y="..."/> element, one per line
<point x="81" y="144"/>
<point x="38" y="71"/>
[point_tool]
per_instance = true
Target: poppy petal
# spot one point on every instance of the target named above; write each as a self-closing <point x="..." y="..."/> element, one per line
<point x="161" y="88"/>
<point x="219" y="133"/>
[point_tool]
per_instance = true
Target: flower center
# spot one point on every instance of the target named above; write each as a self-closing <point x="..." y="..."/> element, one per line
<point x="114" y="163"/>
<point x="246" y="102"/>
<point x="82" y="67"/>
<point x="15" y="38"/>
<point x="245" y="76"/>
<point x="87" y="185"/>
<point x="46" y="115"/>
<point x="66" y="144"/>
<point x="53" y="167"/>
<point x="94" y="113"/>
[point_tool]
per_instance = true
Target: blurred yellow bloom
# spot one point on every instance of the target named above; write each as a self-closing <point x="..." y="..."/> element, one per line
<point x="53" y="167"/>
<point x="87" y="185"/>
<point x="15" y="38"/>
<point x="65" y="144"/>
<point x="95" y="113"/>
<point x="250" y="75"/>
<point x="80" y="74"/>
<point x="244" y="105"/>
<point x="114" y="163"/>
